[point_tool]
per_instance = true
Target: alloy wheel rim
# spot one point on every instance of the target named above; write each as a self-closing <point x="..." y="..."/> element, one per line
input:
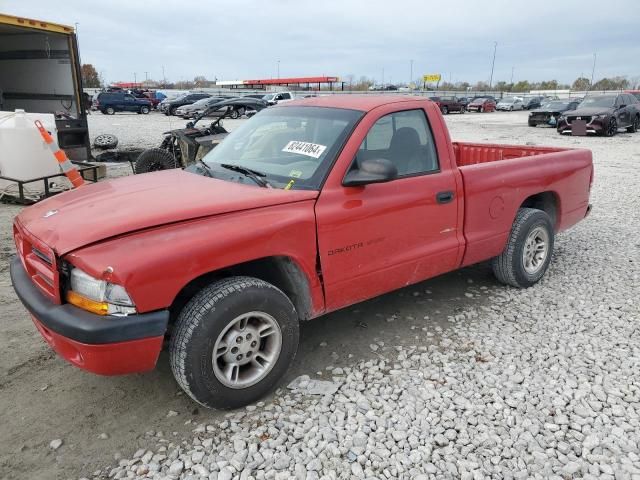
<point x="247" y="350"/>
<point x="536" y="250"/>
<point x="612" y="126"/>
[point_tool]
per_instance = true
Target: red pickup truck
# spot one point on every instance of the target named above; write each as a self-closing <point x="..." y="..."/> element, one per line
<point x="306" y="208"/>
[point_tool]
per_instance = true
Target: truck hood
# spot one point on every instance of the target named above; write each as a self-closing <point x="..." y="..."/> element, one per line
<point x="106" y="209"/>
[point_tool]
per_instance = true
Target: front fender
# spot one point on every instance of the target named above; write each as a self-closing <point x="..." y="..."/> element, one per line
<point x="155" y="264"/>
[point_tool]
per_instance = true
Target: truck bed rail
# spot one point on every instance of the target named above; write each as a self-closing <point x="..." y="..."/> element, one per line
<point x="474" y="153"/>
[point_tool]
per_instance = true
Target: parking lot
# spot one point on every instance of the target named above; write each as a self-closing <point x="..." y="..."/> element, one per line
<point x="456" y="377"/>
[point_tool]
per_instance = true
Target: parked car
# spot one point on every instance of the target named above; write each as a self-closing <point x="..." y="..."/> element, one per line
<point x="278" y="97"/>
<point x="154" y="98"/>
<point x="173" y="105"/>
<point x="112" y="102"/>
<point x="449" y="104"/>
<point x="548" y="114"/>
<point x="482" y="104"/>
<point x="510" y="104"/>
<point x="532" y="102"/>
<point x="602" y="115"/>
<point x="196" y="108"/>
<point x="223" y="281"/>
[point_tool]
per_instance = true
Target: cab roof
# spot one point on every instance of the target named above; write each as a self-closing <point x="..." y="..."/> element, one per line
<point x="364" y="103"/>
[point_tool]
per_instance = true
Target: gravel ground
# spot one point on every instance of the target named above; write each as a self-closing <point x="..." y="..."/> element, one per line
<point x="456" y="377"/>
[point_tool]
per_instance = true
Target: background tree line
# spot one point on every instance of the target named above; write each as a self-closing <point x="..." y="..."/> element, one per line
<point x="91" y="79"/>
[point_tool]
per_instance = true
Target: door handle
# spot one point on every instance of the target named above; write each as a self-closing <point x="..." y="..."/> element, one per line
<point x="444" y="197"/>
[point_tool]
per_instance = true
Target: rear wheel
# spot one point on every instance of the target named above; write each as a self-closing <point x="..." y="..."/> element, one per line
<point x="635" y="126"/>
<point x="155" y="159"/>
<point x="110" y="110"/>
<point x="527" y="254"/>
<point x="234" y="114"/>
<point x="445" y="110"/>
<point x="144" y="110"/>
<point x="233" y="341"/>
<point x="612" y="127"/>
<point x="172" y="110"/>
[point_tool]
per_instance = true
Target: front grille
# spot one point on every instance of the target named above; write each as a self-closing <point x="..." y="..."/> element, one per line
<point x="39" y="261"/>
<point x="542" y="117"/>
<point x="571" y="118"/>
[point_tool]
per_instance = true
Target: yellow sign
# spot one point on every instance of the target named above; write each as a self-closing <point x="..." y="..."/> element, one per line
<point x="431" y="78"/>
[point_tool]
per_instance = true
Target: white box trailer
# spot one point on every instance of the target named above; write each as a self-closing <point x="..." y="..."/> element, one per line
<point x="40" y="73"/>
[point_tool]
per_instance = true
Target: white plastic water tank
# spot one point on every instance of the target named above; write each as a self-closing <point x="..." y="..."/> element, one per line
<point x="23" y="153"/>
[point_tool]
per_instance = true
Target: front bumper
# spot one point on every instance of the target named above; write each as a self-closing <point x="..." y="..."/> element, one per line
<point x="98" y="344"/>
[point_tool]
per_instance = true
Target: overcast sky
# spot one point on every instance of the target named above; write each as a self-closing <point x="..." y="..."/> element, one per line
<point x="244" y="39"/>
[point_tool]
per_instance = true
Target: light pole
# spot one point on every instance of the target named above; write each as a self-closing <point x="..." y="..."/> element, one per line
<point x="146" y="76"/>
<point x="278" y="68"/>
<point x="164" y="79"/>
<point x="593" y="70"/>
<point x="493" y="63"/>
<point x="382" y="77"/>
<point x="410" y="72"/>
<point x="135" y="79"/>
<point x="511" y="82"/>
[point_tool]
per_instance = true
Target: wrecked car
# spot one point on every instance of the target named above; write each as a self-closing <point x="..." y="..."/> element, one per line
<point x="185" y="146"/>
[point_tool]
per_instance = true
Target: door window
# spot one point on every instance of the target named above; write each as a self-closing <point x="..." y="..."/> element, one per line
<point x="129" y="98"/>
<point x="405" y="139"/>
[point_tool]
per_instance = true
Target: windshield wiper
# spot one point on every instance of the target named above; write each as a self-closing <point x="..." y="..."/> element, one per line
<point x="254" y="175"/>
<point x="207" y="168"/>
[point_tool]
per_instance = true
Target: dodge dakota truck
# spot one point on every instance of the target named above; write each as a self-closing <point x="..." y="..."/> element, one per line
<point x="306" y="208"/>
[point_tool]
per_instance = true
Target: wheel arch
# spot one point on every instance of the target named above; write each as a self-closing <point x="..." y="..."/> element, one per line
<point x="281" y="271"/>
<point x="548" y="202"/>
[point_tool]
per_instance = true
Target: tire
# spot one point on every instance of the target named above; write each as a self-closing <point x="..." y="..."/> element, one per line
<point x="482" y="109"/>
<point x="144" y="110"/>
<point x="511" y="108"/>
<point x="635" y="126"/>
<point x="612" y="127"/>
<point x="172" y="110"/>
<point x="105" y="141"/>
<point x="234" y="114"/>
<point x="532" y="124"/>
<point x="208" y="318"/>
<point x="462" y="109"/>
<point x="109" y="110"/>
<point x="155" y="159"/>
<point x="445" y="110"/>
<point x="510" y="267"/>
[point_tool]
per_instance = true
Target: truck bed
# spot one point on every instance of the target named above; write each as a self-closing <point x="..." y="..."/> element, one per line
<point x="474" y="153"/>
<point x="499" y="179"/>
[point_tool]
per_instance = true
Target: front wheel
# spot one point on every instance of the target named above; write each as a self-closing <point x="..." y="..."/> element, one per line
<point x="110" y="111"/>
<point x="612" y="127"/>
<point x="233" y="342"/>
<point x="635" y="126"/>
<point x="144" y="110"/>
<point x="528" y="251"/>
<point x="445" y="110"/>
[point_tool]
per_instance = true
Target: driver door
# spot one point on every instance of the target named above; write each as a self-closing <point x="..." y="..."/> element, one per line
<point x="382" y="236"/>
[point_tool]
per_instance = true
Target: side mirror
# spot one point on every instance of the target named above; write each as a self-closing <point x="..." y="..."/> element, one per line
<point x="376" y="170"/>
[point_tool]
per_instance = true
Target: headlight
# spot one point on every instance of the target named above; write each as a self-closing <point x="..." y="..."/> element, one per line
<point x="98" y="296"/>
<point x="599" y="117"/>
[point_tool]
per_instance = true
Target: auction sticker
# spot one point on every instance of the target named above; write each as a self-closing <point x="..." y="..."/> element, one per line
<point x="304" y="148"/>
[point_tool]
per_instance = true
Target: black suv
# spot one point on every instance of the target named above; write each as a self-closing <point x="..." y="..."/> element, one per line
<point x="112" y="102"/>
<point x="188" y="99"/>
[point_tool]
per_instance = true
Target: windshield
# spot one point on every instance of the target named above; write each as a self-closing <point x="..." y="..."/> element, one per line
<point x="556" y="105"/>
<point x="269" y="96"/>
<point x="293" y="146"/>
<point x="598" y="102"/>
<point x="202" y="102"/>
<point x="508" y="100"/>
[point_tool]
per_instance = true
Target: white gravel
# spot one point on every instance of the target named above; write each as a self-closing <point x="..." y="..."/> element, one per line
<point x="540" y="383"/>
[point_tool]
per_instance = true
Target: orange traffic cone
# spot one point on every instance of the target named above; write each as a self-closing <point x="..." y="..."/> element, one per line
<point x="67" y="167"/>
